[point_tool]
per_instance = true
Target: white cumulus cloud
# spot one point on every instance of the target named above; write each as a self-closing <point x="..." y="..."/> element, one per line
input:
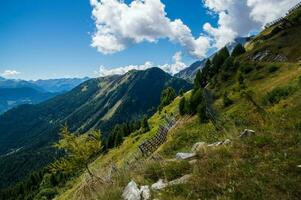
<point x="10" y="73"/>
<point x="240" y="17"/>
<point x="172" y="68"/>
<point x="119" y="25"/>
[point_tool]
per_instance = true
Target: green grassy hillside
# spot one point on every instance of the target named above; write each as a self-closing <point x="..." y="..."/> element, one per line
<point x="265" y="96"/>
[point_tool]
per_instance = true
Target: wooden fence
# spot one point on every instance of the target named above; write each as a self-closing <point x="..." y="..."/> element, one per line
<point x="282" y="19"/>
<point x="151" y="145"/>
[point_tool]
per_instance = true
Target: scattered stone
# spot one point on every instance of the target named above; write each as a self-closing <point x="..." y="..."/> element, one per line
<point x="299" y="166"/>
<point x="198" y="146"/>
<point x="192" y="162"/>
<point x="247" y="133"/>
<point x="131" y="192"/>
<point x="185" y="156"/>
<point x="215" y="144"/>
<point x="160" y="184"/>
<point x="145" y="192"/>
<point x="227" y="142"/>
<point x="181" y="180"/>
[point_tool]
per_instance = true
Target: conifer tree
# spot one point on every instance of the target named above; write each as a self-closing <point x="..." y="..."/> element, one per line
<point x="144" y="125"/>
<point x="78" y="151"/>
<point x="238" y="50"/>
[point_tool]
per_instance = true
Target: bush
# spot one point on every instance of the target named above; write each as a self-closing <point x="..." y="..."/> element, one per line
<point x="278" y="94"/>
<point x="202" y="113"/>
<point x="182" y="106"/>
<point x="238" y="50"/>
<point x="273" y="68"/>
<point x="246" y="69"/>
<point x="226" y="100"/>
<point x="167" y="96"/>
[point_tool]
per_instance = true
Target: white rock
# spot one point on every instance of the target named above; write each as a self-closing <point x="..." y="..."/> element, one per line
<point x="215" y="144"/>
<point x="131" y="192"/>
<point x="145" y="192"/>
<point x="226" y="142"/>
<point x="198" y="146"/>
<point x="299" y="166"/>
<point x="247" y="133"/>
<point x="159" y="185"/>
<point x="184" y="156"/>
<point x="181" y="180"/>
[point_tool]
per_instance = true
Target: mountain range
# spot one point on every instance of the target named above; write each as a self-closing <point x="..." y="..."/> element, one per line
<point x="16" y="92"/>
<point x="28" y="131"/>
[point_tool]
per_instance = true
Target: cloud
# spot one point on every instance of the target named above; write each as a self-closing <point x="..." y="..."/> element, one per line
<point x="103" y="71"/>
<point x="172" y="68"/>
<point x="119" y="25"/>
<point x="240" y="17"/>
<point x="9" y="73"/>
<point x="175" y="67"/>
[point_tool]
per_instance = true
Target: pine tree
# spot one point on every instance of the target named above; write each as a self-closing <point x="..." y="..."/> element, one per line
<point x="168" y="95"/>
<point x="144" y="125"/>
<point x="197" y="80"/>
<point x="79" y="150"/>
<point x="182" y="106"/>
<point x="238" y="50"/>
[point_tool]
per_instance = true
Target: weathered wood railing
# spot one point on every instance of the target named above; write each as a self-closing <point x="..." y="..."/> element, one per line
<point x="282" y="19"/>
<point x="151" y="145"/>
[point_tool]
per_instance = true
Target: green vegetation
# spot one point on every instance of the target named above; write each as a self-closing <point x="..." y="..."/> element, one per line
<point x="278" y="93"/>
<point x="79" y="151"/>
<point x="168" y="95"/>
<point x="238" y="50"/>
<point x="28" y="132"/>
<point x="234" y="91"/>
<point x="264" y="166"/>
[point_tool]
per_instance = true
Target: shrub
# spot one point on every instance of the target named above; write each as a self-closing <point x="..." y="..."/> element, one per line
<point x="277" y="94"/>
<point x="182" y="106"/>
<point x="202" y="113"/>
<point x="238" y="50"/>
<point x="167" y="96"/>
<point x="246" y="69"/>
<point x="273" y="68"/>
<point x="226" y="100"/>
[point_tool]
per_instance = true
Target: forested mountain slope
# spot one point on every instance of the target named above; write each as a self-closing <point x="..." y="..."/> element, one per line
<point x="27" y="132"/>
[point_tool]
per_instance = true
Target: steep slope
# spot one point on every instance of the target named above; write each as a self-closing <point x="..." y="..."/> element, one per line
<point x="263" y="166"/>
<point x="29" y="130"/>
<point x="12" y="97"/>
<point x="189" y="72"/>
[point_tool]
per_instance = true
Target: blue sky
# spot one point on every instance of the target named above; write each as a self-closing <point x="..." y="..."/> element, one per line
<point x="52" y="38"/>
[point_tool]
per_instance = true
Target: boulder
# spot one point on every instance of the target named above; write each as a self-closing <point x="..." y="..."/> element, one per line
<point x="131" y="192"/>
<point x="247" y="133"/>
<point x="160" y="184"/>
<point x="145" y="192"/>
<point x="198" y="146"/>
<point x="185" y="156"/>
